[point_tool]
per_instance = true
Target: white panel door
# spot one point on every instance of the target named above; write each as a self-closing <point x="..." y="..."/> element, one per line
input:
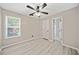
<point x="45" y="29"/>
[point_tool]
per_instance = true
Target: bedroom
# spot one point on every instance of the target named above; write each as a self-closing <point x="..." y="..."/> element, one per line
<point x="37" y="34"/>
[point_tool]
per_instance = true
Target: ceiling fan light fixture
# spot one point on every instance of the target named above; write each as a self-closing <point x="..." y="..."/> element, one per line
<point x="37" y="14"/>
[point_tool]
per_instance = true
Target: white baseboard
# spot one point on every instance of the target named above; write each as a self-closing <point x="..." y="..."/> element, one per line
<point x="6" y="46"/>
<point x="71" y="47"/>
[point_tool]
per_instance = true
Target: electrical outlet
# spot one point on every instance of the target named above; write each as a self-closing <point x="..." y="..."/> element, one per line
<point x="32" y="36"/>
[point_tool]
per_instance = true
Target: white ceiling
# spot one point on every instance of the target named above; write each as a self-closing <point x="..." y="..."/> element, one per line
<point x="51" y="8"/>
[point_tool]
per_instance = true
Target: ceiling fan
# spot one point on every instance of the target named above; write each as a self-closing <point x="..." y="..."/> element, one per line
<point x="37" y="10"/>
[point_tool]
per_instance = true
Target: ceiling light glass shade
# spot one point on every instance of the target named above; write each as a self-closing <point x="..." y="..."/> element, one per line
<point x="37" y="13"/>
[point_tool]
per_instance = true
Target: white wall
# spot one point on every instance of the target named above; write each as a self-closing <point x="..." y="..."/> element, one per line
<point x="29" y="26"/>
<point x="71" y="22"/>
<point x="77" y="42"/>
<point x="0" y="29"/>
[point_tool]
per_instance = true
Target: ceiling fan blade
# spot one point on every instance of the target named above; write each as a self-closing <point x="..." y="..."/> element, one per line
<point x="44" y="5"/>
<point x="44" y="12"/>
<point x="32" y="14"/>
<point x="37" y="7"/>
<point x="30" y="7"/>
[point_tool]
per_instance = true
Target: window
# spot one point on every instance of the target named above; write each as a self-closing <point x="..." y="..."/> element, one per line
<point x="13" y="27"/>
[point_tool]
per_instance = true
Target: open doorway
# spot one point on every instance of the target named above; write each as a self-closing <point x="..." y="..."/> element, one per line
<point x="57" y="32"/>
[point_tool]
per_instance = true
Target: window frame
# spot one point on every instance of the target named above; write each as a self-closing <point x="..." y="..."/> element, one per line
<point x="6" y="27"/>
